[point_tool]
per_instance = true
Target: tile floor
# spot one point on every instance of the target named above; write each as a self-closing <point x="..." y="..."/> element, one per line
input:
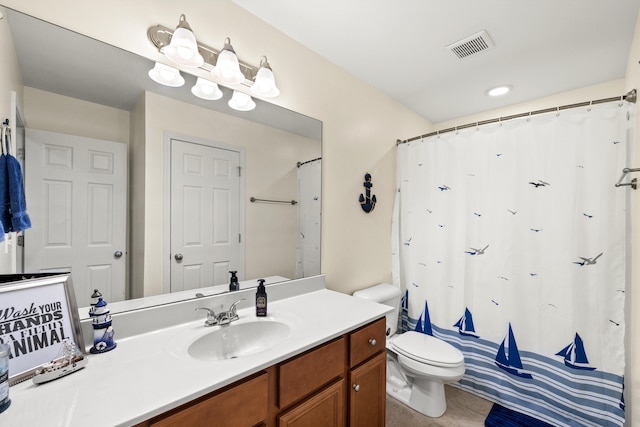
<point x="463" y="410"/>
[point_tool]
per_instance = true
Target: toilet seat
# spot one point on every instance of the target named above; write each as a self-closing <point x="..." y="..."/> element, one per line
<point x="427" y="349"/>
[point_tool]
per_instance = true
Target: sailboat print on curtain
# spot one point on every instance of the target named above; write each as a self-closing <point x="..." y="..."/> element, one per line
<point x="424" y="321"/>
<point x="575" y="356"/>
<point x="465" y="325"/>
<point x="508" y="356"/>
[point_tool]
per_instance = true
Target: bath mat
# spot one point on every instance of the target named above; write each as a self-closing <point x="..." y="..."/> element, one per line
<point x="503" y="417"/>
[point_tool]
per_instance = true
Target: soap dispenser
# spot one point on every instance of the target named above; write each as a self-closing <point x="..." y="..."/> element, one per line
<point x="261" y="299"/>
<point x="233" y="283"/>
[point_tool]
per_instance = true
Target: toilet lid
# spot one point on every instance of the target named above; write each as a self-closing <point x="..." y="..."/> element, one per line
<point x="427" y="349"/>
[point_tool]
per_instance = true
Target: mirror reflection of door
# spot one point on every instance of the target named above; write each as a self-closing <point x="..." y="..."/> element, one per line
<point x="76" y="190"/>
<point x="205" y="212"/>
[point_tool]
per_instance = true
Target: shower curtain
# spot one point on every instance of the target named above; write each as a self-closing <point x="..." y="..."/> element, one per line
<point x="309" y="209"/>
<point x="509" y="243"/>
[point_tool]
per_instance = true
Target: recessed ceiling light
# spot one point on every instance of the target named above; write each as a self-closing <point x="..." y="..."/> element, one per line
<point x="499" y="90"/>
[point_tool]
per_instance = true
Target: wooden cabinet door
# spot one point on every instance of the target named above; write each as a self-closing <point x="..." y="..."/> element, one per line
<point x="323" y="409"/>
<point x="367" y="398"/>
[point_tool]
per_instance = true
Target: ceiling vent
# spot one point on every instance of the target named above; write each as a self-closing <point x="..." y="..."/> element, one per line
<point x="471" y="45"/>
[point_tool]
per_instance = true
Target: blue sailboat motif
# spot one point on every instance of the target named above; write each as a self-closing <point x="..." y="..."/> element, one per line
<point x="424" y="321"/>
<point x="575" y="356"/>
<point x="465" y="325"/>
<point x="508" y="356"/>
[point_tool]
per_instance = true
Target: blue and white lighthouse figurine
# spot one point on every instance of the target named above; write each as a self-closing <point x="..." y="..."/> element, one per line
<point x="102" y="329"/>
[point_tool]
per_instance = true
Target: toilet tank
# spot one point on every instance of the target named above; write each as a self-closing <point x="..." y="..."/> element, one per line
<point x="386" y="294"/>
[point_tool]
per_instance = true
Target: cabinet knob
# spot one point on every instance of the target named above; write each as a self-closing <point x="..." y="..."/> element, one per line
<point x="356" y="387"/>
<point x="373" y="341"/>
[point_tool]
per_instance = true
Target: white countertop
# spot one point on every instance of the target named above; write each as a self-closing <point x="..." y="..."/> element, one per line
<point x="145" y="376"/>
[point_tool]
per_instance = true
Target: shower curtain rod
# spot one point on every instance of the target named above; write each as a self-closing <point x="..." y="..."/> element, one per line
<point x="308" y="161"/>
<point x="629" y="97"/>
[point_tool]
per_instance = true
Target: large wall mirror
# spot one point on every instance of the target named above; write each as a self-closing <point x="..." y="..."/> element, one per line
<point x="90" y="114"/>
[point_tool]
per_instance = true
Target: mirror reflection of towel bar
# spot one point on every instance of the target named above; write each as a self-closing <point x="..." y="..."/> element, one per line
<point x="634" y="181"/>
<point x="288" y="202"/>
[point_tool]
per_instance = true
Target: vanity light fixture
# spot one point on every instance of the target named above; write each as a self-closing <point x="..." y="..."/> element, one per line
<point x="265" y="83"/>
<point x="206" y="89"/>
<point x="166" y="75"/>
<point x="499" y="90"/>
<point x="224" y="65"/>
<point x="240" y="101"/>
<point x="183" y="48"/>
<point x="227" y="69"/>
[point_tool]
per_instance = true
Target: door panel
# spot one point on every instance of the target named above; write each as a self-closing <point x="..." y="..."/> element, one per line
<point x="205" y="206"/>
<point x="76" y="190"/>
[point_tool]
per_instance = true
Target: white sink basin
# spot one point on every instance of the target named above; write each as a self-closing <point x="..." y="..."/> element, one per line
<point x="238" y="340"/>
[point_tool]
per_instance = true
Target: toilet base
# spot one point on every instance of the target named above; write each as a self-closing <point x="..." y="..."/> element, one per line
<point x="429" y="399"/>
<point x="421" y="394"/>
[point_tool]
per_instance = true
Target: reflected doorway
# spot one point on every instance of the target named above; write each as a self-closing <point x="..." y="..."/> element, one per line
<point x="206" y="241"/>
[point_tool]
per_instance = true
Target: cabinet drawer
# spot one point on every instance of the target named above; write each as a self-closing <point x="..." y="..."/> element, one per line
<point x="310" y="371"/>
<point x="367" y="341"/>
<point x="239" y="406"/>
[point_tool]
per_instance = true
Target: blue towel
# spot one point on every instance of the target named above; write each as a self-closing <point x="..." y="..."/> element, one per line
<point x="19" y="218"/>
<point x="5" y="207"/>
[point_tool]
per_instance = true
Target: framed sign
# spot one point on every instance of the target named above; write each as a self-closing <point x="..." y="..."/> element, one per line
<point x="36" y="315"/>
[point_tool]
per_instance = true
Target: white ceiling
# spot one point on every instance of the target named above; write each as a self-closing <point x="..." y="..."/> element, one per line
<point x="542" y="47"/>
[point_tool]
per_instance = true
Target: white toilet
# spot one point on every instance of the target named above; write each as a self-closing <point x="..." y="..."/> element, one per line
<point x="418" y="365"/>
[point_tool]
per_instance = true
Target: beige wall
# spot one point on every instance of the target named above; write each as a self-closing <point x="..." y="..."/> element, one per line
<point x="56" y="113"/>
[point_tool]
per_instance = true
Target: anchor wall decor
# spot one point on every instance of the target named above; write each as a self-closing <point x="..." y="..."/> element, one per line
<point x="367" y="201"/>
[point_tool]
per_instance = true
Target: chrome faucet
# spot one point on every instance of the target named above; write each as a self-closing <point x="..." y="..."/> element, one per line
<point x="230" y="315"/>
<point x="212" y="319"/>
<point x="222" y="318"/>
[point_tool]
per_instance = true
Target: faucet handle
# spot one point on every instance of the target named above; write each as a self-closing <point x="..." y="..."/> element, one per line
<point x="211" y="316"/>
<point x="232" y="310"/>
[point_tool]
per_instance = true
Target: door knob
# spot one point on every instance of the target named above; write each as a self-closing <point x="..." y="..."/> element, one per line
<point x="117" y="254"/>
<point x="178" y="257"/>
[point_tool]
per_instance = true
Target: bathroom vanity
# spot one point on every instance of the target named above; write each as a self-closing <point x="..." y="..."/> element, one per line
<point x="326" y="369"/>
<point x="321" y="387"/>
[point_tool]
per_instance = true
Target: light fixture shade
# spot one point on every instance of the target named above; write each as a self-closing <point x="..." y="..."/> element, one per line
<point x="241" y="101"/>
<point x="265" y="82"/>
<point x="183" y="48"/>
<point x="206" y="90"/>
<point x="166" y="75"/>
<point x="227" y="69"/>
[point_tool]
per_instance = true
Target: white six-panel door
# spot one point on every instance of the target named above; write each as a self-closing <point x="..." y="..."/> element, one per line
<point x="205" y="224"/>
<point x="76" y="191"/>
